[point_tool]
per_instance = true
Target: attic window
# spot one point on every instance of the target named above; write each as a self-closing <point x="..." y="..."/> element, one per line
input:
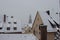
<point x="34" y="32"/>
<point x="39" y="32"/>
<point x="15" y="22"/>
<point x="29" y="31"/>
<point x="39" y="28"/>
<point x="11" y="16"/>
<point x="0" y="28"/>
<point x="9" y="22"/>
<point x="15" y="28"/>
<point x="58" y="31"/>
<point x="8" y="28"/>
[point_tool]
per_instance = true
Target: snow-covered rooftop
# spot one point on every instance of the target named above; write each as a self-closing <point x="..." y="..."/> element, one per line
<point x="17" y="37"/>
<point x="45" y="17"/>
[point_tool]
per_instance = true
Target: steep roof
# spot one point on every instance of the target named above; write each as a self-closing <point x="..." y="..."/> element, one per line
<point x="45" y="19"/>
<point x="43" y="15"/>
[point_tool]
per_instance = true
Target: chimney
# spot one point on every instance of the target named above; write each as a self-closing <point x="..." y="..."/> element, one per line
<point x="43" y="32"/>
<point x="4" y="18"/>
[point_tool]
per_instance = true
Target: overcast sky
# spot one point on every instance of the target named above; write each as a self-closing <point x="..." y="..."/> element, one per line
<point x="22" y="8"/>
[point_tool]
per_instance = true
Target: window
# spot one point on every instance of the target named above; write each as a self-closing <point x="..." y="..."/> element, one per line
<point x="11" y="16"/>
<point x="9" y="22"/>
<point x="0" y="28"/>
<point x="34" y="32"/>
<point x="58" y="30"/>
<point x="29" y="31"/>
<point x="15" y="28"/>
<point x="39" y="32"/>
<point x="39" y="28"/>
<point x="15" y="22"/>
<point x="8" y="28"/>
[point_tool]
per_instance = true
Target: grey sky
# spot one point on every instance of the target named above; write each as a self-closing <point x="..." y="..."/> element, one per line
<point x="22" y="8"/>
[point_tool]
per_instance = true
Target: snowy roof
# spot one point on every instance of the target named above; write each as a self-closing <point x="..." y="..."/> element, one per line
<point x="11" y="25"/>
<point x="21" y="23"/>
<point x="45" y="17"/>
<point x="17" y="37"/>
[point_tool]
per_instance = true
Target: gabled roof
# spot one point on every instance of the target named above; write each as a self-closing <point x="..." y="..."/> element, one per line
<point x="37" y="14"/>
<point x="43" y="15"/>
<point x="45" y="19"/>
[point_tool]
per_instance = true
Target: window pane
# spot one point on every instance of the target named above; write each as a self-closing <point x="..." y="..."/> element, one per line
<point x="8" y="28"/>
<point x="0" y="28"/>
<point x="15" y="28"/>
<point x="15" y="22"/>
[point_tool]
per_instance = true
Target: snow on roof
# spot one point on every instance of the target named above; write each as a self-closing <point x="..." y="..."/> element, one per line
<point x="33" y="18"/>
<point x="30" y="25"/>
<point x="17" y="37"/>
<point x="11" y="24"/>
<point x="45" y="19"/>
<point x="24" y="22"/>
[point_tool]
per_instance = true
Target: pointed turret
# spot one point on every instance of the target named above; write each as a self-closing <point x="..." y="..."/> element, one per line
<point x="30" y="19"/>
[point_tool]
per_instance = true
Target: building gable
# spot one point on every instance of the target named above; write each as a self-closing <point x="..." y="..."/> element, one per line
<point x="37" y="20"/>
<point x="35" y="27"/>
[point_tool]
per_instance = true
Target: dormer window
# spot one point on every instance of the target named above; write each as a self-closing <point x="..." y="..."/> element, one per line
<point x="0" y="28"/>
<point x="9" y="22"/>
<point x="15" y="22"/>
<point x="15" y="28"/>
<point x="11" y="16"/>
<point x="34" y="32"/>
<point x="39" y="28"/>
<point x="39" y="32"/>
<point x="29" y="30"/>
<point x="8" y="28"/>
